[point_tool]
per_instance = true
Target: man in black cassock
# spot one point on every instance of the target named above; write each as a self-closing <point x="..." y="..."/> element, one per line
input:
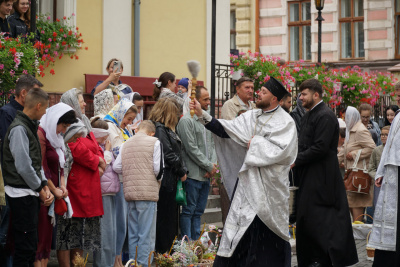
<point x="324" y="233"/>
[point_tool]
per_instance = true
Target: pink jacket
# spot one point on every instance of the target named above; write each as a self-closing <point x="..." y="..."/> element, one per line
<point x="109" y="180"/>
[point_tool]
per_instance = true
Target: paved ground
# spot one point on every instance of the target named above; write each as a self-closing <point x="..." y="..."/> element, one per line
<point x="362" y="257"/>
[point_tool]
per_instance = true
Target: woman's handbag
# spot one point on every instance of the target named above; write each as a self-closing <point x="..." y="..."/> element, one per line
<point x="180" y="197"/>
<point x="60" y="206"/>
<point x="357" y="180"/>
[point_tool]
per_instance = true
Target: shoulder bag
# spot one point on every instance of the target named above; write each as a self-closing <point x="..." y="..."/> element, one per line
<point x="357" y="180"/>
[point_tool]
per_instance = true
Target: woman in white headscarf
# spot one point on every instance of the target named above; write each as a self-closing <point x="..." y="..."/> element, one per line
<point x="54" y="123"/>
<point x="138" y="101"/>
<point x="357" y="138"/>
<point x="385" y="236"/>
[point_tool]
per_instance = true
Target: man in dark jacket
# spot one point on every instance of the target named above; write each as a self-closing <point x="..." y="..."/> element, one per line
<point x="5" y="9"/>
<point x="324" y="233"/>
<point x="7" y="115"/>
<point x="26" y="184"/>
<point x="298" y="113"/>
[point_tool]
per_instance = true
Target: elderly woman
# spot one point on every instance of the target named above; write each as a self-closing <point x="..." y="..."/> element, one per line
<point x="83" y="167"/>
<point x="54" y="123"/>
<point x="385" y="236"/>
<point x="165" y="116"/>
<point x="358" y="139"/>
<point x="118" y="119"/>
<point x="74" y="99"/>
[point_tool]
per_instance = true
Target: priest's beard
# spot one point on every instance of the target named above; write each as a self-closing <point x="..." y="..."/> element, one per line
<point x="263" y="104"/>
<point x="308" y="103"/>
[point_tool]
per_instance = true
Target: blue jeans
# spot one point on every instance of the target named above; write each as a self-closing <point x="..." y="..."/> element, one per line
<point x="196" y="197"/>
<point x="142" y="217"/>
<point x="105" y="257"/>
<point x="121" y="207"/>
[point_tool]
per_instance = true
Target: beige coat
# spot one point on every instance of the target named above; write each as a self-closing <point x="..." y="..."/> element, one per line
<point x="360" y="138"/>
<point x="231" y="108"/>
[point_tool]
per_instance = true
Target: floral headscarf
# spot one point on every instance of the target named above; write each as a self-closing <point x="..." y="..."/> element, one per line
<point x="117" y="114"/>
<point x="70" y="98"/>
<point x="103" y="103"/>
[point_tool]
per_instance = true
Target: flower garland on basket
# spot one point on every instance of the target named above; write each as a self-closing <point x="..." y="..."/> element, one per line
<point x="196" y="253"/>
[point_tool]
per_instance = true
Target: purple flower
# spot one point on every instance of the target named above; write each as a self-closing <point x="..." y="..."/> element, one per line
<point x="48" y="18"/>
<point x="42" y="32"/>
<point x="1" y="66"/>
<point x="24" y="72"/>
<point x="49" y="39"/>
<point x="12" y="72"/>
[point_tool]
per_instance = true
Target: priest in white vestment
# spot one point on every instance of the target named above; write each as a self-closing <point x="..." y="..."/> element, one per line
<point x="256" y="231"/>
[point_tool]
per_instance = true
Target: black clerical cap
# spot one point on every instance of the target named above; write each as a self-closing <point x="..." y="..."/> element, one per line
<point x="276" y="88"/>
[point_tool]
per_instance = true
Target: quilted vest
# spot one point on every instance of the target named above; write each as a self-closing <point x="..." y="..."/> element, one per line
<point x="140" y="183"/>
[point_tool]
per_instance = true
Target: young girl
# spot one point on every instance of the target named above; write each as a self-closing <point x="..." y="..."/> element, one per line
<point x="109" y="187"/>
<point x="120" y="116"/>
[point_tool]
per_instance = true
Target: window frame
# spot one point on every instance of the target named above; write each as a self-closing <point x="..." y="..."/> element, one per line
<point x="301" y="23"/>
<point x="68" y="7"/>
<point x="396" y="31"/>
<point x="352" y="20"/>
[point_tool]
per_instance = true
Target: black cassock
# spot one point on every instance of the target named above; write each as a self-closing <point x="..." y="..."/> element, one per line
<point x="323" y="224"/>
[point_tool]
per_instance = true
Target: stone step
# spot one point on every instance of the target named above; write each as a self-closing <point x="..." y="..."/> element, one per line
<point x="214" y="201"/>
<point x="211" y="216"/>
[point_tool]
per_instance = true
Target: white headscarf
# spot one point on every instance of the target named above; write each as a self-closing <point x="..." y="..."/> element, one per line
<point x="140" y="115"/>
<point x="351" y="119"/>
<point x="49" y="124"/>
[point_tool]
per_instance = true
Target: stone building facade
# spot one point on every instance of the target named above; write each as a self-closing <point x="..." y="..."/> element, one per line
<point x="355" y="32"/>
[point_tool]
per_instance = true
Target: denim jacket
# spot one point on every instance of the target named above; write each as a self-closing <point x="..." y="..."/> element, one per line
<point x="198" y="147"/>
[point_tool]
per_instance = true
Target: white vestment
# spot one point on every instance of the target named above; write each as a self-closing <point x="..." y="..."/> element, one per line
<point x="263" y="186"/>
<point x="383" y="235"/>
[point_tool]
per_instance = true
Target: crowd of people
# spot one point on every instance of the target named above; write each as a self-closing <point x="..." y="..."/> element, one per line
<point x="108" y="183"/>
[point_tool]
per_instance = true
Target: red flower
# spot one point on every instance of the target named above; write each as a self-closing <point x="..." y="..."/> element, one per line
<point x="86" y="48"/>
<point x="54" y="34"/>
<point x="69" y="32"/>
<point x="52" y="72"/>
<point x="63" y="43"/>
<point x="77" y="28"/>
<point x="76" y="57"/>
<point x="13" y="50"/>
<point x="41" y="73"/>
<point x="64" y="17"/>
<point x="61" y="30"/>
<point x="58" y="20"/>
